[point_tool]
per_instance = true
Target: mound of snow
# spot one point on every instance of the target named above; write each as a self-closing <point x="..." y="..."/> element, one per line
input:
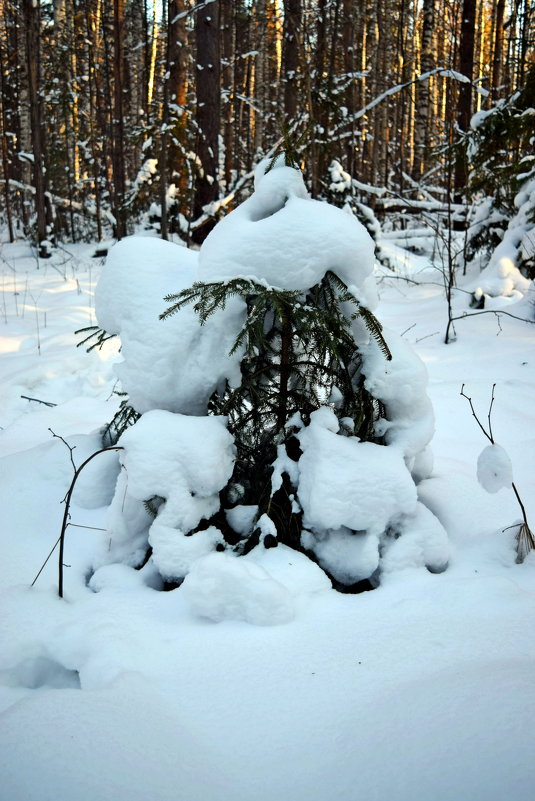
<point x="344" y="482"/>
<point x="223" y="587"/>
<point x="494" y="468"/>
<point x="280" y="236"/>
<point x="157" y="355"/>
<point x="183" y="462"/>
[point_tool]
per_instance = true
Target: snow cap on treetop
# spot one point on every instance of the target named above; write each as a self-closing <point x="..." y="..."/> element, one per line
<point x="281" y="236"/>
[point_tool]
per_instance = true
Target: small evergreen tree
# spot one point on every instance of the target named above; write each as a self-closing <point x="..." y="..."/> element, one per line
<point x="298" y="353"/>
<point x="286" y="438"/>
<point x="500" y="147"/>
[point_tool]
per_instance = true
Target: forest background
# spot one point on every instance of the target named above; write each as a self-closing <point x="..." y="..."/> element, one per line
<point x="116" y="112"/>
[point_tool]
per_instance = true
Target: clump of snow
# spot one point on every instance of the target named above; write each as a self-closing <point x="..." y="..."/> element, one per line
<point x="502" y="276"/>
<point x="350" y="492"/>
<point x="401" y="385"/>
<point x="344" y="482"/>
<point x="281" y="236"/>
<point x="166" y="365"/>
<point x="494" y="468"/>
<point x="349" y="556"/>
<point x="292" y="569"/>
<point x="223" y="587"/>
<point x="127" y="526"/>
<point x="185" y="461"/>
<point x="419" y="541"/>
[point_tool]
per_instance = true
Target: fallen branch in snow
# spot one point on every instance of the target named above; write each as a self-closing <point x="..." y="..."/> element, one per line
<point x="525" y="540"/>
<point x="497" y="312"/>
<point x="36" y="400"/>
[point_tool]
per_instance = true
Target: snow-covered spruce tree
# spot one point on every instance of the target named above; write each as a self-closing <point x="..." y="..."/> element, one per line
<point x="274" y="408"/>
<point x="502" y="183"/>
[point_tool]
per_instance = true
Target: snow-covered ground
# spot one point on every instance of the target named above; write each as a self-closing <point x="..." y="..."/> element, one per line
<point x="421" y="689"/>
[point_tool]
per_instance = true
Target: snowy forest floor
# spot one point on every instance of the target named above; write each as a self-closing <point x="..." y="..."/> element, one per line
<point x="421" y="689"/>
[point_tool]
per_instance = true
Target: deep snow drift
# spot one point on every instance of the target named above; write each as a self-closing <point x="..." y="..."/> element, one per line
<point x="420" y="689"/>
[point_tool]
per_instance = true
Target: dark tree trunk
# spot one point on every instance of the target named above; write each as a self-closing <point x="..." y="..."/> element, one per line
<point x="228" y="82"/>
<point x="497" y="51"/>
<point x="464" y="106"/>
<point x="119" y="183"/>
<point x="290" y="57"/>
<point x="33" y="58"/>
<point x="207" y="74"/>
<point x="423" y="94"/>
<point x="177" y="95"/>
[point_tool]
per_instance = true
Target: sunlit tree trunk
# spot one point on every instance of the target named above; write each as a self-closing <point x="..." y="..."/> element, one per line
<point x="208" y="114"/>
<point x="427" y="62"/>
<point x="290" y="56"/>
<point x="33" y="62"/>
<point x="464" y="106"/>
<point x="118" y="165"/>
<point x="497" y="50"/>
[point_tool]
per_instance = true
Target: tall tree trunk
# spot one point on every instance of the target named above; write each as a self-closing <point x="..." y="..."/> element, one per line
<point x="164" y="134"/>
<point x="32" y="19"/>
<point x="207" y="75"/>
<point x="348" y="51"/>
<point x="421" y="129"/>
<point x="260" y="88"/>
<point x="464" y="105"/>
<point x="5" y="149"/>
<point x="228" y="85"/>
<point x="497" y="48"/>
<point x="177" y="96"/>
<point x="290" y="57"/>
<point x="118" y="167"/>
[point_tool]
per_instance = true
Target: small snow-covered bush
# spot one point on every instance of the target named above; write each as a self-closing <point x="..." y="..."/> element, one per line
<point x="274" y="407"/>
<point x="501" y="234"/>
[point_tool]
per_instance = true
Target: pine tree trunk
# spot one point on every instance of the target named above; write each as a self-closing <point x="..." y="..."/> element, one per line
<point x="421" y="128"/>
<point x="164" y="136"/>
<point x="290" y="56"/>
<point x="464" y="106"/>
<point x="497" y="50"/>
<point x="207" y="74"/>
<point x="119" y="183"/>
<point x="33" y="60"/>
<point x="177" y="95"/>
<point x="5" y="150"/>
<point x="228" y="84"/>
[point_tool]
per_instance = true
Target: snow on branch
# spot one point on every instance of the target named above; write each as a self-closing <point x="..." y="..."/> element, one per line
<point x="393" y="90"/>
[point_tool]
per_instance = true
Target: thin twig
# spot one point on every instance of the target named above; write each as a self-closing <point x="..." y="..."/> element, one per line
<point x="70" y="447"/>
<point x="46" y="560"/>
<point x="490" y="412"/>
<point x="476" y="418"/>
<point x="67" y="507"/>
<point x="497" y="312"/>
<point x="36" y="400"/>
<point x="434" y="334"/>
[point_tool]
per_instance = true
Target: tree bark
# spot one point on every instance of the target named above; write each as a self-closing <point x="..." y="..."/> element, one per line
<point x="290" y="56"/>
<point x="32" y="21"/>
<point x="177" y="96"/>
<point x="464" y="105"/>
<point x="118" y="167"/>
<point x="497" y="47"/>
<point x="207" y="74"/>
<point x="427" y="63"/>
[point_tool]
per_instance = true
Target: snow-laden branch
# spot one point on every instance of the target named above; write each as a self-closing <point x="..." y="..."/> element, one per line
<point x="190" y="11"/>
<point x="393" y="90"/>
<point x="57" y="200"/>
